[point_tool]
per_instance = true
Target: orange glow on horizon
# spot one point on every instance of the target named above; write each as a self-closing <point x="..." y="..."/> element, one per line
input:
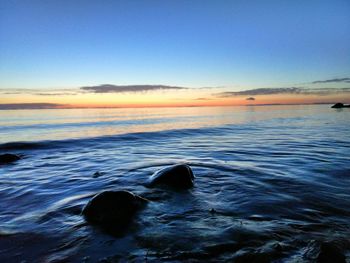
<point x="188" y="98"/>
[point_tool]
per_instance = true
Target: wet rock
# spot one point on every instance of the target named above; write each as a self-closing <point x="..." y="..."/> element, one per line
<point x="340" y="105"/>
<point x="8" y="158"/>
<point x="212" y="211"/>
<point x="278" y="247"/>
<point x="321" y="252"/>
<point x="222" y="248"/>
<point x="329" y="252"/>
<point x="97" y="174"/>
<point x="193" y="256"/>
<point x="254" y="258"/>
<point x="113" y="210"/>
<point x="177" y="176"/>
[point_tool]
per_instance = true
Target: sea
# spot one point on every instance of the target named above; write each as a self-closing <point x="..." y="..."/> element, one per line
<point x="272" y="183"/>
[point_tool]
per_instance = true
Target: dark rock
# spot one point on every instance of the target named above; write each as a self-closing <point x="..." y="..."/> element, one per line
<point x="195" y="256"/>
<point x="113" y="210"/>
<point x="8" y="158"/>
<point x="278" y="247"/>
<point x="222" y="248"/>
<point x="329" y="252"/>
<point x="97" y="174"/>
<point x="212" y="211"/>
<point x="177" y="176"/>
<point x="254" y="257"/>
<point x="340" y="105"/>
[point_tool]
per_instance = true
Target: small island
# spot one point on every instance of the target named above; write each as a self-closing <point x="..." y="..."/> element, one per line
<point x="340" y="105"/>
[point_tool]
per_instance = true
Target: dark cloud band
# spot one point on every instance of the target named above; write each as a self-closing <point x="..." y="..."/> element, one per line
<point x="274" y="91"/>
<point x="107" y="88"/>
<point x="336" y="80"/>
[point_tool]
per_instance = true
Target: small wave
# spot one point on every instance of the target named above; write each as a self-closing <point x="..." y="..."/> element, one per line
<point x="164" y="134"/>
<point x="217" y="166"/>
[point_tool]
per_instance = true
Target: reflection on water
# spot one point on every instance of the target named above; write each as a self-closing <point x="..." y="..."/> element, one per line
<point x="53" y="124"/>
<point x="272" y="183"/>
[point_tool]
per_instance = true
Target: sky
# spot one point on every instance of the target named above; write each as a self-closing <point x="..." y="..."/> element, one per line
<point x="81" y="53"/>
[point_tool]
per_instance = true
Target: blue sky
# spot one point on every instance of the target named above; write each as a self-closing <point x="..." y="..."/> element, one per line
<point x="240" y="44"/>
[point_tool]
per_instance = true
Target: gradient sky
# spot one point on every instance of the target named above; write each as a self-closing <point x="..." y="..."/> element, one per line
<point x="59" y="46"/>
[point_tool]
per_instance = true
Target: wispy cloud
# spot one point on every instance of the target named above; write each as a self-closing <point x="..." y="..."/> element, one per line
<point x="335" y="80"/>
<point x="55" y="94"/>
<point x="262" y="91"/>
<point x="203" y="99"/>
<point x="41" y="92"/>
<point x="108" y="88"/>
<point x="17" y="91"/>
<point x="291" y="90"/>
<point x="250" y="98"/>
<point x="26" y="106"/>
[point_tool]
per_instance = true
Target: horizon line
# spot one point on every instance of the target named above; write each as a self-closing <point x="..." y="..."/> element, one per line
<point x="12" y="106"/>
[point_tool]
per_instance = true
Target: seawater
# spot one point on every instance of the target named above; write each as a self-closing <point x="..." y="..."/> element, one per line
<point x="272" y="183"/>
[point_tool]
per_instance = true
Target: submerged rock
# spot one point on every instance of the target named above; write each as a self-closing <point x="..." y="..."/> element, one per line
<point x="324" y="252"/>
<point x="113" y="210"/>
<point x="97" y="174"/>
<point x="340" y="105"/>
<point x="329" y="252"/>
<point x="8" y="158"/>
<point x="177" y="176"/>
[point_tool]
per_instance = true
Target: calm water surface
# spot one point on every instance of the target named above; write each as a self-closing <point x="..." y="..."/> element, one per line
<point x="278" y="178"/>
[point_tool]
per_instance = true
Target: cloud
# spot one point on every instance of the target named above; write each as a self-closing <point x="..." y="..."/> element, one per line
<point x="250" y="98"/>
<point x="17" y="91"/>
<point x="253" y="92"/>
<point x="291" y="90"/>
<point x="203" y="99"/>
<point x="41" y="92"/>
<point x="108" y="88"/>
<point x="336" y="80"/>
<point x="55" y="94"/>
<point x="26" y="106"/>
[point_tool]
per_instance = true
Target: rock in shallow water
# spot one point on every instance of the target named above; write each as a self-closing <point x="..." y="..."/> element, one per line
<point x="113" y="210"/>
<point x="177" y="176"/>
<point x="329" y="252"/>
<point x="325" y="251"/>
<point x="8" y="158"/>
<point x="97" y="174"/>
<point x="340" y="105"/>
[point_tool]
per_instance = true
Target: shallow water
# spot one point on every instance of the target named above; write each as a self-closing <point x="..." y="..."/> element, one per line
<point x="276" y="177"/>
